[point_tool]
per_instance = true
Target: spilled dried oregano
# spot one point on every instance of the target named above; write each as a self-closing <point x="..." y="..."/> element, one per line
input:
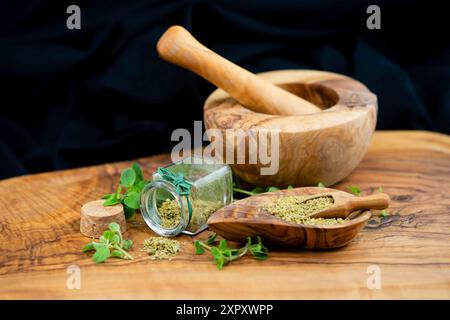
<point x="161" y="248"/>
<point x="296" y="210"/>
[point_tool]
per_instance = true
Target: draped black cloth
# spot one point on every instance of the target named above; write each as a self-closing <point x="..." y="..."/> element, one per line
<point x="79" y="97"/>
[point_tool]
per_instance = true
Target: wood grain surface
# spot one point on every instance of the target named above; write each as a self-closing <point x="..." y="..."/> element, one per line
<point x="40" y="239"/>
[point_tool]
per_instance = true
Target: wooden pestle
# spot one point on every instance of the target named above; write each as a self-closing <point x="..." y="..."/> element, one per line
<point x="179" y="47"/>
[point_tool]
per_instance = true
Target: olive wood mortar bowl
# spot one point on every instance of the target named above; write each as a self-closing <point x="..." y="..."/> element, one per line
<point x="247" y="217"/>
<point x="319" y="147"/>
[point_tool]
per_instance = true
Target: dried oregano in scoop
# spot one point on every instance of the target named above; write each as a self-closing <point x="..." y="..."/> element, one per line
<point x="296" y="210"/>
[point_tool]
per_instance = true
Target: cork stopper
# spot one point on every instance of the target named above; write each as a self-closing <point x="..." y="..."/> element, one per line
<point x="95" y="218"/>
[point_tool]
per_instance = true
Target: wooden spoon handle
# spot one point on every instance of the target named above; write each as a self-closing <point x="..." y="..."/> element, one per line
<point x="179" y="47"/>
<point x="375" y="201"/>
<point x="346" y="207"/>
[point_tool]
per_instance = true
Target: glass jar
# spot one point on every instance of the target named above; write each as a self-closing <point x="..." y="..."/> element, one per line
<point x="183" y="195"/>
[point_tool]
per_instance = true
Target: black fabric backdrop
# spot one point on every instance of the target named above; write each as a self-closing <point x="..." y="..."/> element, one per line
<point x="77" y="97"/>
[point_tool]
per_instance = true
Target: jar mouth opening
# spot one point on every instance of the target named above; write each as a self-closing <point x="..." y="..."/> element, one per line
<point x="159" y="205"/>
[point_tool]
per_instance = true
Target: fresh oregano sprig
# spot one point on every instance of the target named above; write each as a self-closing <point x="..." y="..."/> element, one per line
<point x="111" y="244"/>
<point x="254" y="191"/>
<point x="133" y="181"/>
<point x="224" y="255"/>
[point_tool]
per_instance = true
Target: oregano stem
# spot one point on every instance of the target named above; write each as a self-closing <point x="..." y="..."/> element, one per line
<point x="241" y="252"/>
<point x="126" y="254"/>
<point x="249" y="193"/>
<point x="204" y="245"/>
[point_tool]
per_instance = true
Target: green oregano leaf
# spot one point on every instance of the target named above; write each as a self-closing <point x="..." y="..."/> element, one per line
<point x="139" y="185"/>
<point x="107" y="196"/>
<point x="119" y="192"/>
<point x="355" y="190"/>
<point x="88" y="247"/>
<point x="133" y="200"/>
<point x="223" y="244"/>
<point x="258" y="250"/>
<point x="114" y="226"/>
<point x="258" y="190"/>
<point x="138" y="172"/>
<point x="127" y="244"/>
<point x="108" y="235"/>
<point x="116" y="239"/>
<point x="198" y="247"/>
<point x="218" y="257"/>
<point x="111" y="200"/>
<point x="101" y="254"/>
<point x="117" y="254"/>
<point x="128" y="177"/>
<point x="212" y="238"/>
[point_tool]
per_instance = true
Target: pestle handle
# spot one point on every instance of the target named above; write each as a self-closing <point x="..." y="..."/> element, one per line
<point x="179" y="47"/>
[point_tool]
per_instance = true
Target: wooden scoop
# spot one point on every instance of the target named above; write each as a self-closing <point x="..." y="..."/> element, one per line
<point x="343" y="206"/>
<point x="247" y="217"/>
<point x="179" y="47"/>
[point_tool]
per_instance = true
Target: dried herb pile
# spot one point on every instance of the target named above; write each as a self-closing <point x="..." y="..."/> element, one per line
<point x="161" y="248"/>
<point x="296" y="210"/>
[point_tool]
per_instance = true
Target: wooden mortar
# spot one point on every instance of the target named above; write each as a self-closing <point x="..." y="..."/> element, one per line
<point x="325" y="120"/>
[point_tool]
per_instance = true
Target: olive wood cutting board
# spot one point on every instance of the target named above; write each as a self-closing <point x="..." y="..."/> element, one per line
<point x="40" y="242"/>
